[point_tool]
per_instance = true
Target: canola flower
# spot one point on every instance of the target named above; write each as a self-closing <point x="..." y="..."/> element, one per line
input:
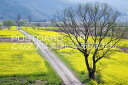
<point x="11" y="33"/>
<point x="113" y="68"/>
<point x="17" y="61"/>
<point x="22" y="62"/>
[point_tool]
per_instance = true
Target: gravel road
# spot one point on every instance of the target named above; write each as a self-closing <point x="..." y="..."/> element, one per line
<point x="63" y="71"/>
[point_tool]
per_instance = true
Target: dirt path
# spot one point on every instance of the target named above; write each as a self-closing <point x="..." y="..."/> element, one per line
<point x="64" y="72"/>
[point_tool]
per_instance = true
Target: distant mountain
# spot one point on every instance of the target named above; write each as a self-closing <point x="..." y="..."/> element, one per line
<point x="9" y="9"/>
<point x="38" y="9"/>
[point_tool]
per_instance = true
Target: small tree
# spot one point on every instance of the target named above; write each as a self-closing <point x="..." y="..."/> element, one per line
<point x="8" y="23"/>
<point x="18" y="18"/>
<point x="86" y="24"/>
<point x="53" y="22"/>
<point x="21" y="23"/>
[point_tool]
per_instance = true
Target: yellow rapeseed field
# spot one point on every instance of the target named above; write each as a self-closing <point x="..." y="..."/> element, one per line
<point x="22" y="59"/>
<point x="22" y="64"/>
<point x="11" y="33"/>
<point x="15" y="60"/>
<point x="113" y="69"/>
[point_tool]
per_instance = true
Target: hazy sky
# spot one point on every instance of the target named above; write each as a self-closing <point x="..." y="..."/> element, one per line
<point x="122" y="5"/>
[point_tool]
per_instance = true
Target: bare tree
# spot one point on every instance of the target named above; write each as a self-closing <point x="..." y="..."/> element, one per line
<point x="18" y="18"/>
<point x="86" y="24"/>
<point x="29" y="19"/>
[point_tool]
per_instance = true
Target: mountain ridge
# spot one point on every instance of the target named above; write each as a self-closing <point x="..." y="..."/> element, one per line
<point x="38" y="9"/>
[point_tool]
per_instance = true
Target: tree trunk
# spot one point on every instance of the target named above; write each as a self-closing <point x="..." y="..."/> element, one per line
<point x="91" y="75"/>
<point x="91" y="72"/>
<point x="8" y="28"/>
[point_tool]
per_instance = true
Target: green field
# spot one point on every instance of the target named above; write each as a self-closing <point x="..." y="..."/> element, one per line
<point x="113" y="69"/>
